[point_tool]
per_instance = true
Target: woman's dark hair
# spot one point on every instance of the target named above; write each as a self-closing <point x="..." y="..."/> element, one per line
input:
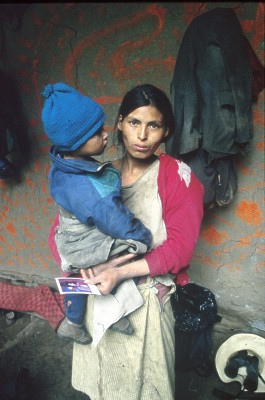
<point x="146" y="95"/>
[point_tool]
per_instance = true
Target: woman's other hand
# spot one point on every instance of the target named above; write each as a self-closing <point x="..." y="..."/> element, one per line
<point x="92" y="272"/>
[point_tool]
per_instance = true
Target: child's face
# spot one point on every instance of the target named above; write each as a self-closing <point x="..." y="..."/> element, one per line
<point x="94" y="146"/>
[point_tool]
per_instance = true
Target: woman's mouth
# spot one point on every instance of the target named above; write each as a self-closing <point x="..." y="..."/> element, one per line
<point x="141" y="148"/>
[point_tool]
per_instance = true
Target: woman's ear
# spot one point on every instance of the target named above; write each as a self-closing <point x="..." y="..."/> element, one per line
<point x="166" y="133"/>
<point x="119" y="124"/>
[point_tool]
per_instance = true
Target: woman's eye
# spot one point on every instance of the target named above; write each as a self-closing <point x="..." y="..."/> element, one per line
<point x="155" y="126"/>
<point x="133" y="122"/>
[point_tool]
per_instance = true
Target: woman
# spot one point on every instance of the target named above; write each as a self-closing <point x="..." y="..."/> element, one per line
<point x="166" y="196"/>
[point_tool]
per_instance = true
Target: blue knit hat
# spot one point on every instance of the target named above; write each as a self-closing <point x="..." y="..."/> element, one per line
<point x="69" y="118"/>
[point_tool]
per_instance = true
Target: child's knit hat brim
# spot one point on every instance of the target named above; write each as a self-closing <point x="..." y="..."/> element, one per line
<point x="70" y="118"/>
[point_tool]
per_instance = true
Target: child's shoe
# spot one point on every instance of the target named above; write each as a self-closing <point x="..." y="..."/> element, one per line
<point x="122" y="326"/>
<point x="75" y="332"/>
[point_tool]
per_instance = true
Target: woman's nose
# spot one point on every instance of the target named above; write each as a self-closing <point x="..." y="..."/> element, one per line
<point x="142" y="133"/>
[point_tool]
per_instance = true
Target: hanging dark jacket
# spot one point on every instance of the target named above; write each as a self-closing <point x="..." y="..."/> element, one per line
<point x="211" y="87"/>
<point x="211" y="93"/>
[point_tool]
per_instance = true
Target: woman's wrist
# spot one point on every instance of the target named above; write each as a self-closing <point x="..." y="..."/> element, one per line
<point x="133" y="269"/>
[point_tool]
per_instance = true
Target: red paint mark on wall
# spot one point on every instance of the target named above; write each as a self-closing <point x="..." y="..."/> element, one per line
<point x="117" y="62"/>
<point x="258" y="117"/>
<point x="3" y="185"/>
<point x="27" y="42"/>
<point x="247" y="25"/>
<point x="249" y="212"/>
<point x="11" y="229"/>
<point x="22" y="58"/>
<point x="36" y="20"/>
<point x="24" y="73"/>
<point x="259" y="26"/>
<point x="108" y="99"/>
<point x="214" y="237"/>
<point x="61" y="43"/>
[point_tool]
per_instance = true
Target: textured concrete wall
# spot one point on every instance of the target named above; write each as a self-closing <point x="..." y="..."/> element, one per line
<point x="103" y="50"/>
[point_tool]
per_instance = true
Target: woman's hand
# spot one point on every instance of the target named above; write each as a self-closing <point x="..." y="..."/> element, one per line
<point x="90" y="273"/>
<point x="106" y="280"/>
<point x="110" y="276"/>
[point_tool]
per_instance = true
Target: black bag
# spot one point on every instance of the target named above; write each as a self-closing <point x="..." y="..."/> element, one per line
<point x="195" y="311"/>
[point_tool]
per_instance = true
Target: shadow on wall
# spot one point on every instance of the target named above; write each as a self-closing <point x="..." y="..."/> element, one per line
<point x="14" y="141"/>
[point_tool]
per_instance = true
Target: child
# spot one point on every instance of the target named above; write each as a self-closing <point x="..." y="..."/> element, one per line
<point x="94" y="224"/>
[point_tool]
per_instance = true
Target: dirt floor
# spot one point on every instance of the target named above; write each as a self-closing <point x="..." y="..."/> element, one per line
<point x="30" y="346"/>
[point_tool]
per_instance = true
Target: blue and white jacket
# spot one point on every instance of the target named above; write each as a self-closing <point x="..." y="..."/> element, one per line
<point x="89" y="196"/>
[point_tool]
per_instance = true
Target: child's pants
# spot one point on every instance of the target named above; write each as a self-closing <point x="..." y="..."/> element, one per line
<point x="75" y="307"/>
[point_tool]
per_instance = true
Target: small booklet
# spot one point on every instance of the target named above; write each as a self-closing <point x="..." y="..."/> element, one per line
<point x="75" y="285"/>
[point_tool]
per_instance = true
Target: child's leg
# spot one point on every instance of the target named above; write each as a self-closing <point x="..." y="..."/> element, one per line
<point x="72" y="326"/>
<point x="75" y="307"/>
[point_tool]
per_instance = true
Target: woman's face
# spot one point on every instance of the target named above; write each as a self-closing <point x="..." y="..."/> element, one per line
<point x="143" y="131"/>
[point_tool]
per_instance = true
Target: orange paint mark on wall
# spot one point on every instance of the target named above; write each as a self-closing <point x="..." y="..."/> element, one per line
<point x="37" y="166"/>
<point x="44" y="188"/>
<point x="206" y="260"/>
<point x="10" y="263"/>
<point x="11" y="229"/>
<point x="42" y="261"/>
<point x="10" y="248"/>
<point x="28" y="233"/>
<point x="6" y="198"/>
<point x="237" y="261"/>
<point x="259" y="185"/>
<point x="29" y="182"/>
<point x="49" y="200"/>
<point x="260" y="146"/>
<point x="260" y="265"/>
<point x="245" y="170"/>
<point x="19" y="245"/>
<point x="2" y="238"/>
<point x="31" y="263"/>
<point x="213" y="236"/>
<point x="3" y="185"/>
<point x="249" y="212"/>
